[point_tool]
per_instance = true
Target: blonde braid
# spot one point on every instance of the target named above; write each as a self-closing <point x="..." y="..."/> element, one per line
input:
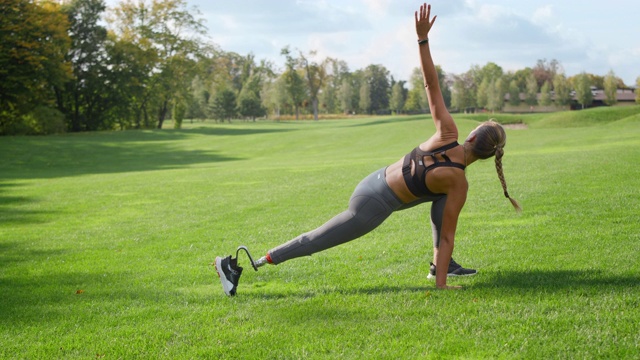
<point x="499" y="154"/>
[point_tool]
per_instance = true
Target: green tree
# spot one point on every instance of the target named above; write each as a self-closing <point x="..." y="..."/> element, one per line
<point x="32" y="59"/>
<point x="582" y="87"/>
<point x="495" y="95"/>
<point x="445" y="88"/>
<point x="199" y="99"/>
<point x="168" y="34"/>
<point x="329" y="97"/>
<point x="345" y="96"/>
<point x="531" y="93"/>
<point x="562" y="90"/>
<point x="294" y="81"/>
<point x="316" y="74"/>
<point x="86" y="97"/>
<point x="521" y="76"/>
<point x="545" y="94"/>
<point x="417" y="96"/>
<point x="242" y="71"/>
<point x="224" y="105"/>
<point x="128" y="77"/>
<point x="611" y="88"/>
<point x="365" y="98"/>
<point x="378" y="79"/>
<point x="249" y="105"/>
<point x="638" y="90"/>
<point x="251" y="83"/>
<point x="397" y="97"/>
<point x="482" y="93"/>
<point x="596" y="81"/>
<point x="491" y="72"/>
<point x="514" y="93"/>
<point x="463" y="94"/>
<point x="275" y="96"/>
<point x="412" y="104"/>
<point x="178" y="113"/>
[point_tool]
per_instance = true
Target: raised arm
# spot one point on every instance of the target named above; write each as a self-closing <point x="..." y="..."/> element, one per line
<point x="445" y="126"/>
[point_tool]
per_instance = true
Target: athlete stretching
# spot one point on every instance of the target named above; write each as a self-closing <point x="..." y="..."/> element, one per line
<point x="432" y="172"/>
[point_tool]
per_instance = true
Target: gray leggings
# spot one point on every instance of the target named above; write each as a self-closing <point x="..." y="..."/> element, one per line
<point x="371" y="203"/>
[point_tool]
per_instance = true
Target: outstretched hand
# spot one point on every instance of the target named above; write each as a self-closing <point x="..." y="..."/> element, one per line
<point x="423" y="24"/>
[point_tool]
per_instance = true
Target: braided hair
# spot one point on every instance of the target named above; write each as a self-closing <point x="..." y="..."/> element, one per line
<point x="490" y="141"/>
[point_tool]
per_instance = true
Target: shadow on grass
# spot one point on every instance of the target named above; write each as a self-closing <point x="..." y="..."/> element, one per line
<point x="306" y="294"/>
<point x="554" y="280"/>
<point x="48" y="157"/>
<point x="53" y="296"/>
<point x="592" y="281"/>
<point x="10" y="208"/>
<point x="393" y="120"/>
<point x="40" y="292"/>
<point x="20" y="296"/>
<point x="68" y="156"/>
<point x="230" y="131"/>
<point x="12" y="252"/>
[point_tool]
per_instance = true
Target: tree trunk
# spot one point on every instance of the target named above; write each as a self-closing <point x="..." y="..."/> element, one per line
<point x="162" y="113"/>
<point x="75" y="117"/>
<point x="315" y="108"/>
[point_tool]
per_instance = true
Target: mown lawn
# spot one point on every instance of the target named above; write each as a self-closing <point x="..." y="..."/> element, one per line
<point x="106" y="241"/>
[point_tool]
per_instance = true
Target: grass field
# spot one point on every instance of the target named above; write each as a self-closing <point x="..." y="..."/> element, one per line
<point x="106" y="240"/>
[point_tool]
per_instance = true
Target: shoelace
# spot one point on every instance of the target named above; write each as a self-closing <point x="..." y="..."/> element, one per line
<point x="249" y="255"/>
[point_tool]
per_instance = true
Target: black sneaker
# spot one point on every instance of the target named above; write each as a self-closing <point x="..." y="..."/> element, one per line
<point x="229" y="273"/>
<point x="455" y="269"/>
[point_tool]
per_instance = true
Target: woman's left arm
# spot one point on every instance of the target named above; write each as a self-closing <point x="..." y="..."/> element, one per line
<point x="456" y="197"/>
<point x="445" y="125"/>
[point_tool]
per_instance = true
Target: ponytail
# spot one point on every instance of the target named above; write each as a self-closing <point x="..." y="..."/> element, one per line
<point x="490" y="139"/>
<point x="499" y="154"/>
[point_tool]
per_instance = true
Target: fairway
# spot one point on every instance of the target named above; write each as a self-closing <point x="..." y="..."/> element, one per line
<point x="106" y="241"/>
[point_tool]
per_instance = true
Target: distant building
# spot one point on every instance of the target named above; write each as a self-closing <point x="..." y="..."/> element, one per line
<point x="625" y="97"/>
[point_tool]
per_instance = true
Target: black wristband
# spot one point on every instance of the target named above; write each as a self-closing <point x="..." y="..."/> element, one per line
<point x="423" y="41"/>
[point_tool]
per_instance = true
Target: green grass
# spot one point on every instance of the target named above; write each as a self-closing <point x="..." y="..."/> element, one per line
<point x="106" y="240"/>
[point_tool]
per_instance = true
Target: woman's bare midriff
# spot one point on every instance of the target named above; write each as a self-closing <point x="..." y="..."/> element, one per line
<point x="397" y="184"/>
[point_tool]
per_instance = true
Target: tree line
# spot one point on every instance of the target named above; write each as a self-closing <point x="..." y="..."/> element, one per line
<point x="78" y="66"/>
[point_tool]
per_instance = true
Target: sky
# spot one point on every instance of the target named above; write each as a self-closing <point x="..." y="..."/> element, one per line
<point x="583" y="35"/>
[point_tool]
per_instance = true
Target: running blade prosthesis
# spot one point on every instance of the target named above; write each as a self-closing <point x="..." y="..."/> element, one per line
<point x="229" y="271"/>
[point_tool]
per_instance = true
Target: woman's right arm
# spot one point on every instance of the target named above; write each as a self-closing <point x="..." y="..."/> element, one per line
<point x="445" y="126"/>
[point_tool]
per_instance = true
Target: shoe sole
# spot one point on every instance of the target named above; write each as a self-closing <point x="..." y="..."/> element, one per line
<point x="226" y="284"/>
<point x="450" y="275"/>
<point x="457" y="275"/>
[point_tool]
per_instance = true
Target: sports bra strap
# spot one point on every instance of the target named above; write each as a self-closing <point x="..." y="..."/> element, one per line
<point x="416" y="183"/>
<point x="438" y="150"/>
<point x="409" y="180"/>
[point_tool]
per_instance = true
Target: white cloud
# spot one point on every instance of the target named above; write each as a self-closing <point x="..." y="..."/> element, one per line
<point x="543" y="15"/>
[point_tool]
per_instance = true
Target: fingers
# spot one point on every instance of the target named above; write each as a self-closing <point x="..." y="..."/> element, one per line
<point x="422" y="16"/>
<point x="424" y="13"/>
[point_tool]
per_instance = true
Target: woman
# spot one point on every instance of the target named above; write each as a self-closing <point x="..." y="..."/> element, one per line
<point x="432" y="172"/>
